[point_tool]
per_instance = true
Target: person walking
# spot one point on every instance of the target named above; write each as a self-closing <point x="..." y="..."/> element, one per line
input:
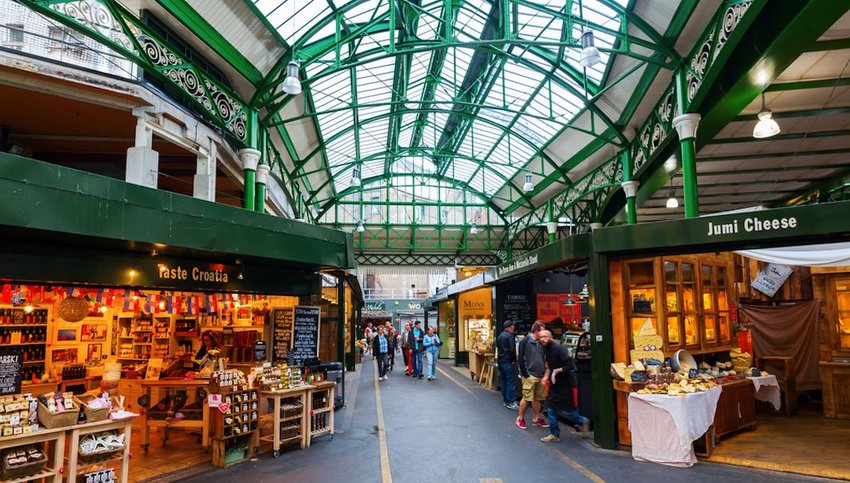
<point x="391" y="338"/>
<point x="405" y="349"/>
<point x="370" y="334"/>
<point x="380" y="349"/>
<point x="415" y="342"/>
<point x="432" y="344"/>
<point x="506" y="358"/>
<point x="532" y="368"/>
<point x="560" y="397"/>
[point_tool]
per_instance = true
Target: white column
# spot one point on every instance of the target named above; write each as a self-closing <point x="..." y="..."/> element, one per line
<point x="630" y="188"/>
<point x="142" y="160"/>
<point x="205" y="175"/>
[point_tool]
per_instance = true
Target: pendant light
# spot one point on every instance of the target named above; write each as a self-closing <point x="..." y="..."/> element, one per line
<point x="767" y="126"/>
<point x="589" y="53"/>
<point x="584" y="292"/>
<point x="360" y="227"/>
<point x="473" y="229"/>
<point x="672" y="202"/>
<point x="292" y="83"/>
<point x="528" y="187"/>
<point x="355" y="177"/>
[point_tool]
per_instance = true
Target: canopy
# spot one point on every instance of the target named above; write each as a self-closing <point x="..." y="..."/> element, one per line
<point x="824" y="255"/>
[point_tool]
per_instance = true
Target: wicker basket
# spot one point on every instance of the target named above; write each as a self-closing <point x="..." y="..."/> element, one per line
<point x="290" y="410"/>
<point x="96" y="457"/>
<point x="92" y="415"/>
<point x="28" y="469"/>
<point x="58" y="420"/>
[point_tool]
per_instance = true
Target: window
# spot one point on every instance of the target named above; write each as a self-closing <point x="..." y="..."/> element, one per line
<point x="56" y="37"/>
<point x="15" y="33"/>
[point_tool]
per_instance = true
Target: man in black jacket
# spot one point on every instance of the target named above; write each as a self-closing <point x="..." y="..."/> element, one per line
<point x="560" y="397"/>
<point x="506" y="357"/>
<point x="380" y="349"/>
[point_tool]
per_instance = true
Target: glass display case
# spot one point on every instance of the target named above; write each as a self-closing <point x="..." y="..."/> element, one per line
<point x="477" y="332"/>
<point x="842" y="302"/>
<point x="641" y="295"/>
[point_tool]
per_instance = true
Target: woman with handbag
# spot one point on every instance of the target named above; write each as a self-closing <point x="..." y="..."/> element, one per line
<point x="432" y="344"/>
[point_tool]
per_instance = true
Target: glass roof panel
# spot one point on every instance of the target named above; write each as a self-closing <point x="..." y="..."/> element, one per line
<point x="292" y="18"/>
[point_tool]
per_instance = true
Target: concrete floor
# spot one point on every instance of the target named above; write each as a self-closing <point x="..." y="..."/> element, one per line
<point x="451" y="430"/>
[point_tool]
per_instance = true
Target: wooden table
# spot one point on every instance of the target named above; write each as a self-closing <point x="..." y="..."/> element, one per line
<point x="302" y="393"/>
<point x="328" y="388"/>
<point x="74" y="466"/>
<point x="42" y="436"/>
<point x="203" y="425"/>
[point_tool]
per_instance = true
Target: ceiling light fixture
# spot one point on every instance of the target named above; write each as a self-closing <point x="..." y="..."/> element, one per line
<point x="473" y="229"/>
<point x="528" y="187"/>
<point x="589" y="53"/>
<point x="292" y="83"/>
<point x="672" y="202"/>
<point x="767" y="126"/>
<point x="360" y="227"/>
<point x="355" y="177"/>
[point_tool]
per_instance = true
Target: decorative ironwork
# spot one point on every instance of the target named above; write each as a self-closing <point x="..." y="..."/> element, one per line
<point x="433" y="259"/>
<point x="96" y="16"/>
<point x="731" y="18"/>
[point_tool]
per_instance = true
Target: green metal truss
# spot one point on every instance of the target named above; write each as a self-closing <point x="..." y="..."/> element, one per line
<point x="111" y="24"/>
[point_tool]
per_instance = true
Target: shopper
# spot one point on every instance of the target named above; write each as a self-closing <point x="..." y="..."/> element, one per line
<point x="370" y="334"/>
<point x="432" y="344"/>
<point x="391" y="338"/>
<point x="415" y="342"/>
<point x="532" y="368"/>
<point x="506" y="357"/>
<point x="380" y="349"/>
<point x="560" y="397"/>
<point x="405" y="349"/>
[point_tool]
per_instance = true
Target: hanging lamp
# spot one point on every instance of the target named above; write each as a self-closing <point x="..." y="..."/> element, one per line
<point x="767" y="126"/>
<point x="528" y="187"/>
<point x="473" y="229"/>
<point x="360" y="227"/>
<point x="292" y="82"/>
<point x="355" y="177"/>
<point x="589" y="53"/>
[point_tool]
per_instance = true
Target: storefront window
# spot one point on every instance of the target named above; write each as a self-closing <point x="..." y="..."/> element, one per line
<point x="842" y="294"/>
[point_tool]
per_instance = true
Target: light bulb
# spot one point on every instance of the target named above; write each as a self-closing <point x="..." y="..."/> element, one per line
<point x="360" y="227"/>
<point x="672" y="202"/>
<point x="589" y="53"/>
<point x="292" y="83"/>
<point x="355" y="177"/>
<point x="103" y="309"/>
<point x="28" y="308"/>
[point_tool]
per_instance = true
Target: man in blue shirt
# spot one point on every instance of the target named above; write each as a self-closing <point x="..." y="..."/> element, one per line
<point x="506" y="357"/>
<point x="415" y="343"/>
<point x="380" y="349"/>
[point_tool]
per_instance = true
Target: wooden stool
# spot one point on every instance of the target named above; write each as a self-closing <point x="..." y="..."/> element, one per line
<point x="787" y="380"/>
<point x="487" y="373"/>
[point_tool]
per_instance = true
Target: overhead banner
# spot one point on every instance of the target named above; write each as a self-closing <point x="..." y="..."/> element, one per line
<point x="551" y="306"/>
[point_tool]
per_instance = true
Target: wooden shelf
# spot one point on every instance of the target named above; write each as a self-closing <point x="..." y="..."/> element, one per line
<point x="3" y="326"/>
<point x="84" y="467"/>
<point x="34" y="362"/>
<point x="47" y="472"/>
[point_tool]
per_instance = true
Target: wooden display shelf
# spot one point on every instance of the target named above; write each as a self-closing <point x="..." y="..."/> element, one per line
<point x="203" y="425"/>
<point x="56" y="435"/>
<point x="303" y="394"/>
<point x="73" y="466"/>
<point x="319" y="387"/>
<point x="44" y="474"/>
<point x="3" y="326"/>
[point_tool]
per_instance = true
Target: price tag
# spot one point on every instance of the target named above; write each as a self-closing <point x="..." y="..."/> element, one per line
<point x="214" y="400"/>
<point x="223" y="407"/>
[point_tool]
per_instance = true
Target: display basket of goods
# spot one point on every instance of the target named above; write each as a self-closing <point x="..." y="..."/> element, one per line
<point x="94" y="407"/>
<point x="97" y="447"/>
<point x="57" y="410"/>
<point x="22" y="462"/>
<point x="291" y="430"/>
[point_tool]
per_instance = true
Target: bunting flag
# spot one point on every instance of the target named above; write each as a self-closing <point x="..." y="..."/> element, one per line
<point x="148" y="304"/>
<point x="6" y="296"/>
<point x="178" y="304"/>
<point x="17" y="295"/>
<point x="99" y="298"/>
<point x="169" y="305"/>
<point x="213" y="305"/>
<point x="189" y="306"/>
<point x="127" y="300"/>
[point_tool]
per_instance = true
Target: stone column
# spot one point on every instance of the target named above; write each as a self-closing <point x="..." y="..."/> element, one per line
<point x="205" y="174"/>
<point x="250" y="158"/>
<point x="142" y="160"/>
<point x="686" y="128"/>
<point x="262" y="179"/>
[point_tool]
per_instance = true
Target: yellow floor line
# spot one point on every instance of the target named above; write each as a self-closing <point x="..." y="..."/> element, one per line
<point x="766" y="465"/>
<point x="575" y="464"/>
<point x="447" y="376"/>
<point x="386" y="474"/>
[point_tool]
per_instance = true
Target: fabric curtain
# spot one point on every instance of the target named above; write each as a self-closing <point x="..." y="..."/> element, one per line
<point x="790" y="331"/>
<point x="824" y="255"/>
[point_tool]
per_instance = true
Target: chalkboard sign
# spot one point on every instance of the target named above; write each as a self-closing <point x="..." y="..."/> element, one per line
<point x="305" y="335"/>
<point x="517" y="309"/>
<point x="260" y="350"/>
<point x="11" y="365"/>
<point x="282" y="321"/>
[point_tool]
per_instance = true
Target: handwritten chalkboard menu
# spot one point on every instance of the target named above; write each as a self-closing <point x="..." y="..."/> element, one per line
<point x="260" y="351"/>
<point x="11" y="365"/>
<point x="517" y="309"/>
<point x="282" y="321"/>
<point x="305" y="335"/>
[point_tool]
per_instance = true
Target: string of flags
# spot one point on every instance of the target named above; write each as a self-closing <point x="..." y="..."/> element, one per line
<point x="128" y="300"/>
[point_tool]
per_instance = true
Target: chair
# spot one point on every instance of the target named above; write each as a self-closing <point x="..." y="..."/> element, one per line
<point x="783" y="368"/>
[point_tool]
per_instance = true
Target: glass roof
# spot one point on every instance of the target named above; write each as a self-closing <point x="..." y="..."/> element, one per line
<point x="435" y="90"/>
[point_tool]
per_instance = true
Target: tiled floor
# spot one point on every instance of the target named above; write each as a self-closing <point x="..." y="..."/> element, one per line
<point x="182" y="451"/>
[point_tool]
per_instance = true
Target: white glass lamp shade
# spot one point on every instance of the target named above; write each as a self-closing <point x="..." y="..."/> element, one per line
<point x="528" y="187"/>
<point x="589" y="53"/>
<point x="473" y="229"/>
<point x="355" y="177"/>
<point x="672" y="202"/>
<point x="360" y="227"/>
<point x="766" y="127"/>
<point x="292" y="83"/>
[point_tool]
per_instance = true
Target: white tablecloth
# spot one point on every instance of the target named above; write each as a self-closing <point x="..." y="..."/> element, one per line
<point x="767" y="389"/>
<point x="664" y="427"/>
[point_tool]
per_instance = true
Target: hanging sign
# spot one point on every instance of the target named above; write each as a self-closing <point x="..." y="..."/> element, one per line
<point x="551" y="306"/>
<point x="11" y="365"/>
<point x="305" y="334"/>
<point x="771" y="278"/>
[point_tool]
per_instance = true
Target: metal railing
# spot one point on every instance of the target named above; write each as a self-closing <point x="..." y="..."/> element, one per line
<point x="394" y="293"/>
